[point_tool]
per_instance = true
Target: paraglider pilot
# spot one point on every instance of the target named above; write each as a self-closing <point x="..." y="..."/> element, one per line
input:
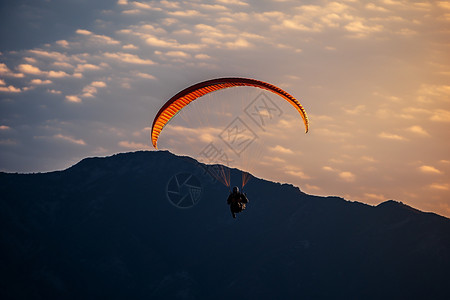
<point x="237" y="201"/>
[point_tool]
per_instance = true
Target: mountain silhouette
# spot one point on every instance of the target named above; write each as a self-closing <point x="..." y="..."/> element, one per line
<point x="153" y="225"/>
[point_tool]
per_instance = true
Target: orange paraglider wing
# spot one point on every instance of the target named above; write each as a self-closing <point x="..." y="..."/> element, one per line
<point x="186" y="96"/>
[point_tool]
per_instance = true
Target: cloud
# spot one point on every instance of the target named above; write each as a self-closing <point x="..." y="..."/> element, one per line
<point x="238" y="43"/>
<point x="99" y="84"/>
<point x="347" y="176"/>
<point x="144" y="6"/>
<point x="335" y="16"/>
<point x="157" y="42"/>
<point x="328" y="168"/>
<point x="213" y="7"/>
<point x="371" y="6"/>
<point x="133" y="145"/>
<point x="129" y="58"/>
<point x="178" y="54"/>
<point x="97" y="38"/>
<point x="233" y="2"/>
<point x="298" y="174"/>
<point x="4" y="127"/>
<point x="104" y="39"/>
<point x="170" y="4"/>
<point x="311" y="187"/>
<point x="207" y="137"/>
<point x="440" y="115"/>
<point x="391" y="136"/>
<point x="10" y="89"/>
<point x="63" y="43"/>
<point x="69" y="139"/>
<point x="300" y="26"/>
<point x="440" y="186"/>
<point x="30" y="60"/>
<point x="86" y="67"/>
<point x="185" y="13"/>
<point x="361" y="29"/>
<point x="429" y="170"/>
<point x="418" y="130"/>
<point x="63" y="65"/>
<point x="57" y="74"/>
<point x="56" y="92"/>
<point x="83" y="32"/>
<point x="73" y="98"/>
<point x="50" y="54"/>
<point x="89" y="91"/>
<point x="130" y="47"/>
<point x="431" y="93"/>
<point x="281" y="149"/>
<point x="392" y="2"/>
<point x="145" y="75"/>
<point x="377" y="197"/>
<point x="40" y="82"/>
<point x="132" y="11"/>
<point x="416" y="110"/>
<point x="202" y="56"/>
<point x="444" y="4"/>
<point x="29" y="69"/>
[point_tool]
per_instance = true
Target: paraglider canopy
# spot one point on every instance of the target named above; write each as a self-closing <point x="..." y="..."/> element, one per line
<point x="186" y="96"/>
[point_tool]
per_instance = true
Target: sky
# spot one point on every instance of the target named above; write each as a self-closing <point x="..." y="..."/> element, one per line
<point x="86" y="78"/>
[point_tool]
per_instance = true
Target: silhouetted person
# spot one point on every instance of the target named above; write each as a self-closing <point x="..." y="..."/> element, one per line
<point x="237" y="201"/>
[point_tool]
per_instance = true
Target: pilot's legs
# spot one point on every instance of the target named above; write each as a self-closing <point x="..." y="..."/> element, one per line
<point x="233" y="213"/>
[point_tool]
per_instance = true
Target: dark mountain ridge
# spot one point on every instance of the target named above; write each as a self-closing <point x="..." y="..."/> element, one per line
<point x="105" y="229"/>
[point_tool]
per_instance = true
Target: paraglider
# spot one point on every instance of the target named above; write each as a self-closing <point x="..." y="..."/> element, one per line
<point x="237" y="200"/>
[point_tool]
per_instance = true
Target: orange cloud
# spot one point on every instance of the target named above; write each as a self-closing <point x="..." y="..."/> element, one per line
<point x="429" y="169"/>
<point x="29" y="69"/>
<point x="347" y="176"/>
<point x="440" y="186"/>
<point x="73" y="98"/>
<point x="418" y="130"/>
<point x="391" y="136"/>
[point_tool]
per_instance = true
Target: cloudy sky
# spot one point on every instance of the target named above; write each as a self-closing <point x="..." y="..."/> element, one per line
<point x="83" y="78"/>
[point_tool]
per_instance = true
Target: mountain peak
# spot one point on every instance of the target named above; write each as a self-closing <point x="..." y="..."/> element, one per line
<point x="120" y="227"/>
<point x="397" y="205"/>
